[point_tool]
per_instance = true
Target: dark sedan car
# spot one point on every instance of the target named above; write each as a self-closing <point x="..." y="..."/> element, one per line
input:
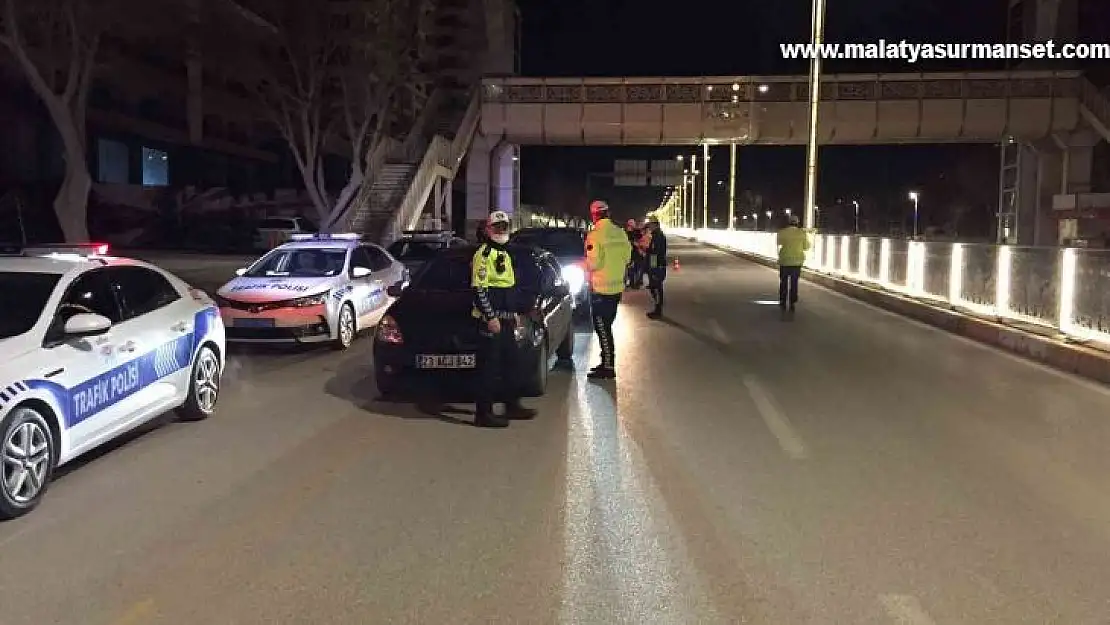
<point x="568" y="245"/>
<point x="428" y="338"/>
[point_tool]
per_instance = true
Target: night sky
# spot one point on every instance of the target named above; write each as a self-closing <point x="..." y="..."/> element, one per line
<point x="738" y="37"/>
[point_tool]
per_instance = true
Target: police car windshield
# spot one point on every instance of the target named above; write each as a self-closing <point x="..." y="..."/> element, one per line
<point x="24" y="297"/>
<point x="299" y="263"/>
<point x="561" y="243"/>
<point x="445" y="273"/>
<point x="415" y="250"/>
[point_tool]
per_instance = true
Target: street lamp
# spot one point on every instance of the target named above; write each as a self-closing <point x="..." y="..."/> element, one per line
<point x="817" y="35"/>
<point x="915" y="196"/>
<point x="856" y="204"/>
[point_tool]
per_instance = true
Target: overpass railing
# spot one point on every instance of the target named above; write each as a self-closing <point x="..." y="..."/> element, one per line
<point x="726" y="90"/>
<point x="1066" y="289"/>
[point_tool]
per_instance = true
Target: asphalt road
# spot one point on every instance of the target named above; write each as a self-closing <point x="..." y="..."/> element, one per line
<point x="847" y="467"/>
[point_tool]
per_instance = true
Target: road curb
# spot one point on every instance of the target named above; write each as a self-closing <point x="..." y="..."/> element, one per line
<point x="1052" y="351"/>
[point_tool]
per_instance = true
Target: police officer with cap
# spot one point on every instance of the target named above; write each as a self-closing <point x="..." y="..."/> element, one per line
<point x="607" y="255"/>
<point x="500" y="298"/>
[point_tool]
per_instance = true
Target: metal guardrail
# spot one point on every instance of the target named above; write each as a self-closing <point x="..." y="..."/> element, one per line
<point x="1061" y="289"/>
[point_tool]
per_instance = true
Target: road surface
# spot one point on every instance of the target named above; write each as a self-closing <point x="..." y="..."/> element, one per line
<point x="848" y="467"/>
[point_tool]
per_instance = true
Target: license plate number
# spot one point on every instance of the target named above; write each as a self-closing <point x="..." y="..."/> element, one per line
<point x="254" y="323"/>
<point x="446" y="361"/>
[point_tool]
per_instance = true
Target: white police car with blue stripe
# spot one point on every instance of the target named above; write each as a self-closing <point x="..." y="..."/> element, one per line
<point x="316" y="288"/>
<point x="92" y="346"/>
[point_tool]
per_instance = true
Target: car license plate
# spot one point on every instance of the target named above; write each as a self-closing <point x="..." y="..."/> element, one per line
<point x="446" y="361"/>
<point x="261" y="322"/>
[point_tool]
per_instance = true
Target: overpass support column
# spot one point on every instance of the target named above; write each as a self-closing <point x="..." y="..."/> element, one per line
<point x="1067" y="171"/>
<point x="492" y="180"/>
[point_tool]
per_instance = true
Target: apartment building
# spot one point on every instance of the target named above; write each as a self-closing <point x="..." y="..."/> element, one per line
<point x="165" y="113"/>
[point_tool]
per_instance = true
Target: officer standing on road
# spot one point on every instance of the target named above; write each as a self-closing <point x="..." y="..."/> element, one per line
<point x="656" y="257"/>
<point x="608" y="253"/>
<point x="793" y="243"/>
<point x="500" y="298"/>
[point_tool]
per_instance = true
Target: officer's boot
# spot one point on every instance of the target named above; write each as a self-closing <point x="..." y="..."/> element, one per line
<point x="516" y="411"/>
<point x="484" y="417"/>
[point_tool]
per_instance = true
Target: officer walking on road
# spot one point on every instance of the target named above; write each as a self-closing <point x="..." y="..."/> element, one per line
<point x="608" y="253"/>
<point x="793" y="243"/>
<point x="501" y="296"/>
<point x="656" y="258"/>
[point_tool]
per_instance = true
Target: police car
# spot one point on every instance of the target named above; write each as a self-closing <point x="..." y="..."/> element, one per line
<point x="317" y="288"/>
<point x="92" y="346"/>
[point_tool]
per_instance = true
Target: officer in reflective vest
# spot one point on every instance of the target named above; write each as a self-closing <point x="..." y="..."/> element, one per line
<point x="656" y="265"/>
<point x="499" y="302"/>
<point x="608" y="253"/>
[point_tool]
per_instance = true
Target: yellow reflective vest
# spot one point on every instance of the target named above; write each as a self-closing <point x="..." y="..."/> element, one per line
<point x="607" y="254"/>
<point x="491" y="276"/>
<point x="793" y="243"/>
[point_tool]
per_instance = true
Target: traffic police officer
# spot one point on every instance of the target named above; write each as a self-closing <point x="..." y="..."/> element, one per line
<point x="500" y="297"/>
<point x="608" y="253"/>
<point x="656" y="256"/>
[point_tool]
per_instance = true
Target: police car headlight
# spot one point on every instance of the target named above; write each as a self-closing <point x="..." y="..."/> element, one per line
<point x="311" y="300"/>
<point x="575" y="277"/>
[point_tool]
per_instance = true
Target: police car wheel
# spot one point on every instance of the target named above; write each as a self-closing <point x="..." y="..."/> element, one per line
<point x="345" y="328"/>
<point x="27" y="456"/>
<point x="204" y="386"/>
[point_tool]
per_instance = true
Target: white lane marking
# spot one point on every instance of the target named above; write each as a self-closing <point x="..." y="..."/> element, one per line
<point x="718" y="332"/>
<point x="776" y="421"/>
<point x="905" y="610"/>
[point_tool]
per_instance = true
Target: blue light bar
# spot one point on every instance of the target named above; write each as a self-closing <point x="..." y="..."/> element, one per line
<point x="346" y="236"/>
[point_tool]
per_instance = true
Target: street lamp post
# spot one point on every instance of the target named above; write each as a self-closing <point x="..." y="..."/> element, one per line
<point x="705" y="186"/>
<point x="818" y="36"/>
<point x="915" y="196"/>
<point x="732" y="185"/>
<point x="694" y="190"/>
<point x="856" y="204"/>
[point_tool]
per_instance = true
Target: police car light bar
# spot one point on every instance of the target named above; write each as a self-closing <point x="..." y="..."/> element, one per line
<point x="346" y="236"/>
<point x="79" y="249"/>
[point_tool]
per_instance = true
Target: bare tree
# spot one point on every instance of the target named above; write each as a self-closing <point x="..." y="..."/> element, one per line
<point x="55" y="44"/>
<point x="335" y="80"/>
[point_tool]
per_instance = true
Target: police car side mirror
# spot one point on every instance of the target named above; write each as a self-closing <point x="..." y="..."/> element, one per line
<point x="360" y="272"/>
<point x="86" y="324"/>
<point x="394" y="290"/>
<point x="240" y="271"/>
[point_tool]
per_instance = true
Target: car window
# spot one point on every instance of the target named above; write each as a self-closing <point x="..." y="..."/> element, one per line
<point x="299" y="263"/>
<point x="19" y="314"/>
<point x="361" y="258"/>
<point x="141" y="290"/>
<point x="92" y="292"/>
<point x="415" y="250"/>
<point x="444" y="273"/>
<point x="378" y="258"/>
<point x="558" y="242"/>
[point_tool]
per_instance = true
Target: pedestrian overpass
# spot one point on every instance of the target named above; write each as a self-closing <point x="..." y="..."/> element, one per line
<point x="773" y="110"/>
<point x="1046" y="122"/>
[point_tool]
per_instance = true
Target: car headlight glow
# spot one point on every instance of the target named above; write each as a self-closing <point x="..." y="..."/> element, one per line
<point x="575" y="277"/>
<point x="311" y="300"/>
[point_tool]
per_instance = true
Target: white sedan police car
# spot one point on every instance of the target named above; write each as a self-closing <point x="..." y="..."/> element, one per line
<point x="314" y="289"/>
<point x="92" y="346"/>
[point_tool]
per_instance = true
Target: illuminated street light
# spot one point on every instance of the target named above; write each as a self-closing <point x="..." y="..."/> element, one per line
<point x="915" y="196"/>
<point x="764" y="88"/>
<point x="856" y="204"/>
<point x="817" y="35"/>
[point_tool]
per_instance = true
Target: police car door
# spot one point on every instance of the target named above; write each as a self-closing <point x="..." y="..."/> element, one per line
<point x="85" y="374"/>
<point x="369" y="292"/>
<point x="154" y="319"/>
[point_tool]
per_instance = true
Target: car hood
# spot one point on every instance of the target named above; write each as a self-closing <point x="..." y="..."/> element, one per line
<point x="244" y="289"/>
<point x="16" y="346"/>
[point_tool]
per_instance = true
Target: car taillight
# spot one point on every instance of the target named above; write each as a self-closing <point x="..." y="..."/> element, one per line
<point x="389" y="331"/>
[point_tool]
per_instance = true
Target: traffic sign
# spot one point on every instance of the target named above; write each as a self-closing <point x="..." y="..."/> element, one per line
<point x="627" y="173"/>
